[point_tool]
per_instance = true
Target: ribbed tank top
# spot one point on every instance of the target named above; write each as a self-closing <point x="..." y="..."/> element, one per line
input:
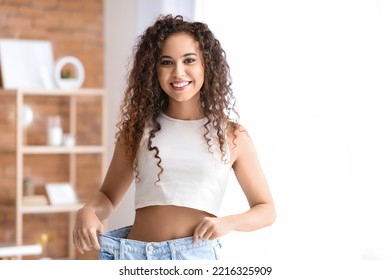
<point x="195" y="175"/>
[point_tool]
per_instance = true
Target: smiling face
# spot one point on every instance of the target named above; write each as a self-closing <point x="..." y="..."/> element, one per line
<point x="180" y="69"/>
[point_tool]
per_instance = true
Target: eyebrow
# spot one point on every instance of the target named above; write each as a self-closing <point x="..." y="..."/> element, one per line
<point x="185" y="55"/>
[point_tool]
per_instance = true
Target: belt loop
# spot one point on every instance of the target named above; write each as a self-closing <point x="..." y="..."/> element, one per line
<point x="122" y="247"/>
<point x="172" y="248"/>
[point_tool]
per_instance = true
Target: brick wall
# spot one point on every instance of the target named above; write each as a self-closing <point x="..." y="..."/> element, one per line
<point x="75" y="28"/>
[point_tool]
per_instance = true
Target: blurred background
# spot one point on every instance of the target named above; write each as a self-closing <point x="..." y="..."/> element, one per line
<point x="312" y="80"/>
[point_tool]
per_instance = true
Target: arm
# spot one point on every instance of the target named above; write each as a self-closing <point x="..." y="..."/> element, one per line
<point x="115" y="185"/>
<point x="252" y="180"/>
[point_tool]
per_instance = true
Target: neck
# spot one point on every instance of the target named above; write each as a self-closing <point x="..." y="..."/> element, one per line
<point x="184" y="110"/>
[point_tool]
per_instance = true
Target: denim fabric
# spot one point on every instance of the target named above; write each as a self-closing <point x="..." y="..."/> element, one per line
<point x="115" y="246"/>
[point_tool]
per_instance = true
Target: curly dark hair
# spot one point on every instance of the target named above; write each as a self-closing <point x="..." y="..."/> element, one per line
<point x="144" y="98"/>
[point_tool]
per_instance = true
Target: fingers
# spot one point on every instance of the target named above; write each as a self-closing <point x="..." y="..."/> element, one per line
<point x="77" y="244"/>
<point x="77" y="241"/>
<point x="82" y="242"/>
<point x="86" y="240"/>
<point x="197" y="232"/>
<point x="205" y="230"/>
<point x="86" y="229"/>
<point x="94" y="237"/>
<point x="100" y="227"/>
<point x="196" y="235"/>
<point x="95" y="243"/>
<point x="85" y="243"/>
<point x="208" y="235"/>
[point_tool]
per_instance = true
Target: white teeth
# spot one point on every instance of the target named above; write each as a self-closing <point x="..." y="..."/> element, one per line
<point x="181" y="84"/>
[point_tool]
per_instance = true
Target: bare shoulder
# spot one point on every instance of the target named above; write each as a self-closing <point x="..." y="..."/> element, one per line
<point x="239" y="140"/>
<point x="238" y="133"/>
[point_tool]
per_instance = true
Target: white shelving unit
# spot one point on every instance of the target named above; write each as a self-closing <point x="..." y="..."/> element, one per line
<point x="23" y="150"/>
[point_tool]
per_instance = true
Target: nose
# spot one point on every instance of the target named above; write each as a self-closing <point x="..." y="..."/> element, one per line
<point x="178" y="70"/>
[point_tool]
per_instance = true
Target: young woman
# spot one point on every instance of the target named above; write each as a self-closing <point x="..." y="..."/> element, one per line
<point x="178" y="139"/>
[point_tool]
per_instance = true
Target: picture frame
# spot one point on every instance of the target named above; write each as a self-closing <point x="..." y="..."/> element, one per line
<point x="61" y="193"/>
<point x="26" y="64"/>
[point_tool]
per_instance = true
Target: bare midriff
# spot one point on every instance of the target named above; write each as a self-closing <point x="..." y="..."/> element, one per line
<point x="161" y="223"/>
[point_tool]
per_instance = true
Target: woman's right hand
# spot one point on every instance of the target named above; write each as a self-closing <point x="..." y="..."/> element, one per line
<point x="85" y="231"/>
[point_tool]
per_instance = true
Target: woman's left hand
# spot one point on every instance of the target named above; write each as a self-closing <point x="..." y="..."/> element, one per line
<point x="211" y="228"/>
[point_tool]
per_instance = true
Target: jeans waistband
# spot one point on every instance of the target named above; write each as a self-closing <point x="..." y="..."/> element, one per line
<point x="117" y="239"/>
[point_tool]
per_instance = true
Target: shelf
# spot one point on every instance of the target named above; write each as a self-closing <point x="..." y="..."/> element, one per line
<point x="51" y="209"/>
<point x="56" y="92"/>
<point x="20" y="250"/>
<point x="27" y="155"/>
<point x="63" y="150"/>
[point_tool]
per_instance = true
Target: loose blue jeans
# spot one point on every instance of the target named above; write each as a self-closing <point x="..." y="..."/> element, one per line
<point x="114" y="245"/>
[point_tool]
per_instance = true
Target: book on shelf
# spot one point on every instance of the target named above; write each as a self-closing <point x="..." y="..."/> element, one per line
<point x="35" y="200"/>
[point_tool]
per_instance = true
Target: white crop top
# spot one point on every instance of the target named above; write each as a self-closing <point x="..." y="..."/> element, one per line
<point x="194" y="175"/>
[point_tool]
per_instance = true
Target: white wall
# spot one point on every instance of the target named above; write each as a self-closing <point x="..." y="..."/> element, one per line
<point x="311" y="78"/>
<point x="148" y="10"/>
<point x="120" y="35"/>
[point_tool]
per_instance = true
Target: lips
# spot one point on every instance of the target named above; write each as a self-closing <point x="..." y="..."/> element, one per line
<point x="180" y="84"/>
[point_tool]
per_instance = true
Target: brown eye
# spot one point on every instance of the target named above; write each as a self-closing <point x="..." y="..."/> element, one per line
<point x="189" y="60"/>
<point x="166" y="62"/>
